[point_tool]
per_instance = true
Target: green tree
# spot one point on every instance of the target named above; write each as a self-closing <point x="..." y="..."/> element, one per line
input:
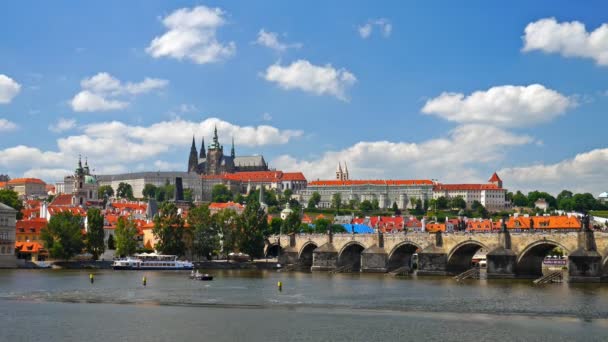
<point x="111" y="245"/>
<point x="375" y="204"/>
<point x="221" y="193"/>
<point x="149" y="191"/>
<point x="419" y="209"/>
<point x="337" y="228"/>
<point x="292" y="222"/>
<point x="95" y="235"/>
<point x="62" y="236"/>
<point x="413" y="202"/>
<point x="169" y="230"/>
<point x="11" y="198"/>
<point x="206" y="239"/>
<point x="275" y="226"/>
<point x="105" y="191"/>
<point x="458" y="202"/>
<point x="366" y="206"/>
<point x="287" y="194"/>
<point x="584" y="202"/>
<point x="253" y="224"/>
<point x="322" y="225"/>
<point x="314" y="200"/>
<point x="188" y="195"/>
<point x="396" y="210"/>
<point x="336" y="201"/>
<point x="126" y="237"/>
<point x="520" y="200"/>
<point x="125" y="190"/>
<point x="442" y="203"/>
<point x="353" y="204"/>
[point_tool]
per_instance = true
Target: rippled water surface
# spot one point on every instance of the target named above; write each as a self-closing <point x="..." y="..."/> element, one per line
<point x="246" y="305"/>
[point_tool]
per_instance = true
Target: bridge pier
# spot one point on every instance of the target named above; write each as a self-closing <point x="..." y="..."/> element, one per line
<point x="432" y="260"/>
<point x="289" y="255"/>
<point x="324" y="258"/>
<point x="585" y="263"/>
<point x="501" y="262"/>
<point x="374" y="260"/>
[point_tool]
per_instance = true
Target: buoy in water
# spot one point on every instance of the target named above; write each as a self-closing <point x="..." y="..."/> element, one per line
<point x="144" y="281"/>
<point x="280" y="286"/>
<point x="91" y="278"/>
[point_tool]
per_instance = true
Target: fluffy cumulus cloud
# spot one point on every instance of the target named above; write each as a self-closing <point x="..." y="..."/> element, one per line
<point x="570" y="39"/>
<point x="62" y="125"/>
<point x="271" y="40"/>
<point x="449" y="159"/>
<point x="7" y="126"/>
<point x="586" y="172"/>
<point x="8" y="89"/>
<point x="115" y="146"/>
<point x="104" y="92"/>
<point x="319" y="80"/>
<point x="384" y="25"/>
<point x="192" y="34"/>
<point x="507" y="105"/>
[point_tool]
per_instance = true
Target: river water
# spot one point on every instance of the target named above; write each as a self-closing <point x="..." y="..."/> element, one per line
<point x="53" y="305"/>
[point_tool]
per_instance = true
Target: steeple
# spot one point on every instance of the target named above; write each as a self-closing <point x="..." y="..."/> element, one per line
<point x="346" y="176"/>
<point x="232" y="154"/>
<point x="86" y="166"/>
<point x="193" y="159"/>
<point x="202" y="152"/>
<point x="216" y="142"/>
<point x="79" y="170"/>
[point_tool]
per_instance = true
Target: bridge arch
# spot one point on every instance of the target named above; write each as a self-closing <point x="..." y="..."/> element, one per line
<point x="350" y="255"/>
<point x="305" y="254"/>
<point x="273" y="250"/>
<point x="461" y="255"/>
<point x="530" y="259"/>
<point x="401" y="255"/>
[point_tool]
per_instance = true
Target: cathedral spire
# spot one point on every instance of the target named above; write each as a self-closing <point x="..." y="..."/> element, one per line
<point x="202" y="152"/>
<point x="232" y="154"/>
<point x="216" y="142"/>
<point x="193" y="159"/>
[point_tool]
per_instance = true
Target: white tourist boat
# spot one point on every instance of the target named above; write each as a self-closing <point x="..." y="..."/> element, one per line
<point x="151" y="261"/>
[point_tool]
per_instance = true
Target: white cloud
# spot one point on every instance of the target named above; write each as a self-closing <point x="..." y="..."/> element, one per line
<point x="506" y="105"/>
<point x="192" y="35"/>
<point x="320" y="80"/>
<point x="449" y="159"/>
<point x="62" y="125"/>
<point x="570" y="39"/>
<point x="8" y="89"/>
<point x="100" y="92"/>
<point x="384" y="25"/>
<point x="586" y="172"/>
<point x="85" y="101"/>
<point x="266" y="117"/>
<point x="7" y="126"/>
<point x="271" y="40"/>
<point x="111" y="146"/>
<point x="161" y="165"/>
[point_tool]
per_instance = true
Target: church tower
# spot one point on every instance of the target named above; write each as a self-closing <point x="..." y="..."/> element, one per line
<point x="339" y="172"/>
<point x="193" y="159"/>
<point x="202" y="154"/>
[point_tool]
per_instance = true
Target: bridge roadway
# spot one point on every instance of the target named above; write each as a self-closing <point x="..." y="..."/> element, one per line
<point x="509" y="254"/>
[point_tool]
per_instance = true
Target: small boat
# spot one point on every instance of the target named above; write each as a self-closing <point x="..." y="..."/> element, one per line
<point x="198" y="276"/>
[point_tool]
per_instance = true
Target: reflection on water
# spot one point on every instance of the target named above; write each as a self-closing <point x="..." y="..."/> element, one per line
<point x="559" y="309"/>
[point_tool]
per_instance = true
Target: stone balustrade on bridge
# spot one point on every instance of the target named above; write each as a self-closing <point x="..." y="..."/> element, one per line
<point x="509" y="254"/>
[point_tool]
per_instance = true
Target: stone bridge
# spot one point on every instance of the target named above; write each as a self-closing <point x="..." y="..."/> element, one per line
<point x="509" y="254"/>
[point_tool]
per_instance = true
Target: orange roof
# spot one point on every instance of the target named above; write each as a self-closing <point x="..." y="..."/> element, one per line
<point x="3" y="184"/>
<point x="62" y="200"/>
<point x="388" y="182"/>
<point x="434" y="227"/>
<point x="54" y="210"/>
<point x="37" y="223"/>
<point x="28" y="247"/>
<point x="130" y="205"/>
<point x="456" y="187"/>
<point x="227" y="205"/>
<point x="260" y="176"/>
<point x="26" y="180"/>
<point x="495" y="178"/>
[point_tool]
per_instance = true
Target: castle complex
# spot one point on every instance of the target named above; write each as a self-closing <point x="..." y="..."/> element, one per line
<point x="214" y="162"/>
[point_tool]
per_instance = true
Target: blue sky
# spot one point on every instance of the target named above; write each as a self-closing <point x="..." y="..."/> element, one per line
<point x="308" y="84"/>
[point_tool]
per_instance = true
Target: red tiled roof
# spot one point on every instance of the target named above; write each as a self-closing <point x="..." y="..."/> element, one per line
<point x="28" y="247"/>
<point x="26" y="180"/>
<point x="2" y="184"/>
<point x="260" y="176"/>
<point x="494" y="178"/>
<point x="456" y="187"/>
<point x="62" y="200"/>
<point x="219" y="206"/>
<point x="54" y="210"/>
<point x="370" y="182"/>
<point x="130" y="205"/>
